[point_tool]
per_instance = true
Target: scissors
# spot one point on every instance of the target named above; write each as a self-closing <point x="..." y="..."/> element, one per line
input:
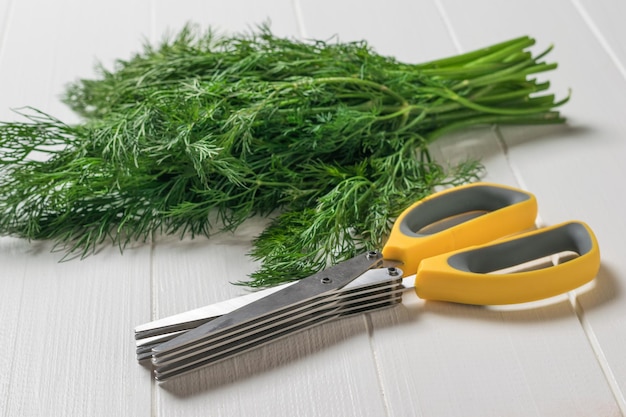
<point x="457" y="245"/>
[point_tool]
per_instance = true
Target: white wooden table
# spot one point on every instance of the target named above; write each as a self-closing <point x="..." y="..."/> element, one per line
<point x="66" y="342"/>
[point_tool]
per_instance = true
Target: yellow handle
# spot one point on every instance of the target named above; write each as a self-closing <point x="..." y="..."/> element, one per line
<point x="502" y="211"/>
<point x="462" y="276"/>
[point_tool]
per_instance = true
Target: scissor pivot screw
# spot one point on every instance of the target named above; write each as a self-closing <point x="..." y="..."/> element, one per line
<point x="371" y="254"/>
<point x="326" y="280"/>
<point x="393" y="271"/>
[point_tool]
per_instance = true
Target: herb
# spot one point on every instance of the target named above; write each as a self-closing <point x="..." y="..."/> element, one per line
<point x="198" y="134"/>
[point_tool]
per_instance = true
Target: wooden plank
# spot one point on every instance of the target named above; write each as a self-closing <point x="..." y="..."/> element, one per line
<point x="73" y="351"/>
<point x="574" y="168"/>
<point x="441" y="359"/>
<point x="6" y="11"/>
<point x="10" y="283"/>
<point x="12" y="292"/>
<point x="67" y="327"/>
<point x="51" y="44"/>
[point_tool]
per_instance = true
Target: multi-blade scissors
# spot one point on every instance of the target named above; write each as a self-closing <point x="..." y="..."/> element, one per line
<point x="463" y="245"/>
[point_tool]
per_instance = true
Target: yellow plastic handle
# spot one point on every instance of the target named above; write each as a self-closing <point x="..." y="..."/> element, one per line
<point x="462" y="276"/>
<point x="496" y="211"/>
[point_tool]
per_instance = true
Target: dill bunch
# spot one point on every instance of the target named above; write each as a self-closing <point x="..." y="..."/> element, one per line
<point x="198" y="134"/>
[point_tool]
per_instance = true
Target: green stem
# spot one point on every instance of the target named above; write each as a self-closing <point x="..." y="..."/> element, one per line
<point x="449" y="94"/>
<point x="516" y="72"/>
<point x="502" y="54"/>
<point x="461" y="59"/>
<point x="551" y="117"/>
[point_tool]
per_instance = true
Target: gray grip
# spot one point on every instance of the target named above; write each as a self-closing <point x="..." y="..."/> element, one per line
<point x="570" y="237"/>
<point x="482" y="198"/>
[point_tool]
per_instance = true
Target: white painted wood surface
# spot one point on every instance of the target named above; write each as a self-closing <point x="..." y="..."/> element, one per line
<point x="66" y="328"/>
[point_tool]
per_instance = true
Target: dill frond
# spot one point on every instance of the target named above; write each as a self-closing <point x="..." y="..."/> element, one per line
<point x="332" y="135"/>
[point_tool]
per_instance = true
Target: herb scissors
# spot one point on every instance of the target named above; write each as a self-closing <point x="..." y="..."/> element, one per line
<point x="457" y="245"/>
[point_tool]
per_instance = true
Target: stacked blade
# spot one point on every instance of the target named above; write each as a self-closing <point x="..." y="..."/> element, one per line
<point x="159" y="331"/>
<point x="375" y="289"/>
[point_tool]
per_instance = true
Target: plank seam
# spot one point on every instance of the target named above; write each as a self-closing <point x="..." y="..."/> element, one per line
<point x="598" y="353"/>
<point x="377" y="365"/>
<point x="499" y="137"/>
<point x="297" y="10"/>
<point x="448" y="24"/>
<point x="578" y="311"/>
<point x="597" y="33"/>
<point x="505" y="151"/>
<point x="517" y="174"/>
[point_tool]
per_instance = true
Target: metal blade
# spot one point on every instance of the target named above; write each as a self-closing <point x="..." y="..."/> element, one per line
<point x="154" y="333"/>
<point x="299" y="315"/>
<point x="370" y="297"/>
<point x="166" y="372"/>
<point x="301" y="293"/>
<point x="194" y="318"/>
